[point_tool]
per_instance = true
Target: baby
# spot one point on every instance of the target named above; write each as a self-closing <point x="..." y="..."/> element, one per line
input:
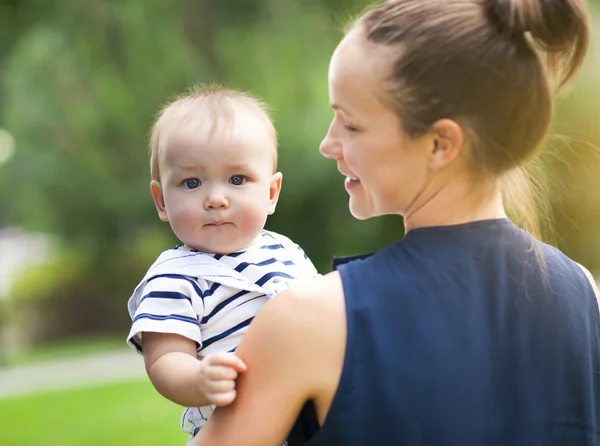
<point x="214" y="179"/>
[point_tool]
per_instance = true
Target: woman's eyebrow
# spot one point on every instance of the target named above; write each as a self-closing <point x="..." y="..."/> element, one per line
<point x="341" y="108"/>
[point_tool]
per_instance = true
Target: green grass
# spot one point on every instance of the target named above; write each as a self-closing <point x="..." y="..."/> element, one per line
<point x="65" y="349"/>
<point x="124" y="414"/>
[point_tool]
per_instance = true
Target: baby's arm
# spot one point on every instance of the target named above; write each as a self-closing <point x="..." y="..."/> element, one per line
<point x="179" y="376"/>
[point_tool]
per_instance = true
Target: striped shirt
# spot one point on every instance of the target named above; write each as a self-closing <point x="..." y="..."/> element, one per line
<point x="212" y="298"/>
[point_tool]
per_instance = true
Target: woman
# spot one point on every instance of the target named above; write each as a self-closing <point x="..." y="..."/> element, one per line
<point x="467" y="331"/>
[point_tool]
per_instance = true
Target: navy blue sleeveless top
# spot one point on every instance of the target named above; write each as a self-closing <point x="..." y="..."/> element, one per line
<point x="457" y="337"/>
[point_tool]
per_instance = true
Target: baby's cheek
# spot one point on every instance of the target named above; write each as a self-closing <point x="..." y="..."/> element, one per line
<point x="187" y="219"/>
<point x="255" y="220"/>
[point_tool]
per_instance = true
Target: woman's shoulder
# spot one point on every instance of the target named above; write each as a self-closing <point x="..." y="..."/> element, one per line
<point x="306" y="318"/>
<point x="311" y="298"/>
<point x="312" y="317"/>
<point x="591" y="280"/>
<point x="560" y="262"/>
<point x="297" y="313"/>
<point x="300" y="332"/>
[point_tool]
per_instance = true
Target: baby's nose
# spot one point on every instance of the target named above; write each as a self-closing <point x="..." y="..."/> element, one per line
<point x="216" y="200"/>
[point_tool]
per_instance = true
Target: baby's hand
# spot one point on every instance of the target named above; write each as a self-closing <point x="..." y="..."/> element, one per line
<point x="218" y="372"/>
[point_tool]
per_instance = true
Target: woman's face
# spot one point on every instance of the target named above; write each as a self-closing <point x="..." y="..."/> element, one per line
<point x="385" y="168"/>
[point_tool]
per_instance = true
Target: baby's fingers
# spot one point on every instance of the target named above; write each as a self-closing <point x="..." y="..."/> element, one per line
<point x="226" y="359"/>
<point x="220" y="373"/>
<point x="218" y="387"/>
<point x="223" y="399"/>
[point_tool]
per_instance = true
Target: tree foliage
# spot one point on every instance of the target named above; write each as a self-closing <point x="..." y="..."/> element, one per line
<point x="80" y="83"/>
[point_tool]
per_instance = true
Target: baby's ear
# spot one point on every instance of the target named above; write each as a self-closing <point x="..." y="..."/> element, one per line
<point x="274" y="191"/>
<point x="159" y="200"/>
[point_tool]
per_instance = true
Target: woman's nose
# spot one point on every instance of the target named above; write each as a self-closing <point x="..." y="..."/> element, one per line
<point x="330" y="146"/>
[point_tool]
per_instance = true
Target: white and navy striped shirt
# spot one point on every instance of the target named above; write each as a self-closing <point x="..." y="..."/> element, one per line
<point x="212" y="298"/>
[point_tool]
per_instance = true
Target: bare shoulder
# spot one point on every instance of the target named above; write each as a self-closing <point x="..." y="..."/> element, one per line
<point x="323" y="290"/>
<point x="301" y="334"/>
<point x="302" y="310"/>
<point x="294" y="350"/>
<point x="309" y="308"/>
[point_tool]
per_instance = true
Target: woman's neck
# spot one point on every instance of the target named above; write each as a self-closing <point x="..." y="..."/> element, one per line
<point x="455" y="200"/>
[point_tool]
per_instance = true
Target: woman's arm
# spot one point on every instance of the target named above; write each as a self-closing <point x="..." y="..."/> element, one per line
<point x="294" y="350"/>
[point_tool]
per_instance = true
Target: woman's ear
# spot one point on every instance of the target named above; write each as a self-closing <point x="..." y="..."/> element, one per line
<point x="159" y="200"/>
<point x="274" y="191"/>
<point x="447" y="143"/>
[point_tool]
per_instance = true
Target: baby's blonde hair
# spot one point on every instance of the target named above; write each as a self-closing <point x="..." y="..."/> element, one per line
<point x="218" y="103"/>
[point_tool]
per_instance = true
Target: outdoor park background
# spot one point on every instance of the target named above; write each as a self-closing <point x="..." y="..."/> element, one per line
<point x="80" y="83"/>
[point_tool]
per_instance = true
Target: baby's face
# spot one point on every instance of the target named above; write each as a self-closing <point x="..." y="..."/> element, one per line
<point x="218" y="188"/>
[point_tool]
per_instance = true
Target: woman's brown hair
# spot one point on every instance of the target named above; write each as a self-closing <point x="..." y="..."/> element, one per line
<point x="490" y="65"/>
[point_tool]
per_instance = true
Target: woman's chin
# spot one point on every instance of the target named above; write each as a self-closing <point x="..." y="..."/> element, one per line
<point x="359" y="212"/>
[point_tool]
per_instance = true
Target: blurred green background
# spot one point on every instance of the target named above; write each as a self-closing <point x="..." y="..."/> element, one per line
<point x="80" y="83"/>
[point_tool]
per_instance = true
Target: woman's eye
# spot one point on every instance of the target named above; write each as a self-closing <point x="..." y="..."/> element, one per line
<point x="192" y="183"/>
<point x="350" y="128"/>
<point x="237" y="180"/>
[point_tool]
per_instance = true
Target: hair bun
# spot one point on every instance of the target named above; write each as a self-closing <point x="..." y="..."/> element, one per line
<point x="558" y="27"/>
<point x="502" y="14"/>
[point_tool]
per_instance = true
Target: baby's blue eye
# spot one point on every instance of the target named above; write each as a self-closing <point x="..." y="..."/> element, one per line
<point x="237" y="180"/>
<point x="192" y="183"/>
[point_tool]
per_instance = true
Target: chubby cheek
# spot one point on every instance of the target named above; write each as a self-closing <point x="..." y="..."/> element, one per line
<point x="184" y="217"/>
<point x="251" y="209"/>
<point x="253" y="218"/>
